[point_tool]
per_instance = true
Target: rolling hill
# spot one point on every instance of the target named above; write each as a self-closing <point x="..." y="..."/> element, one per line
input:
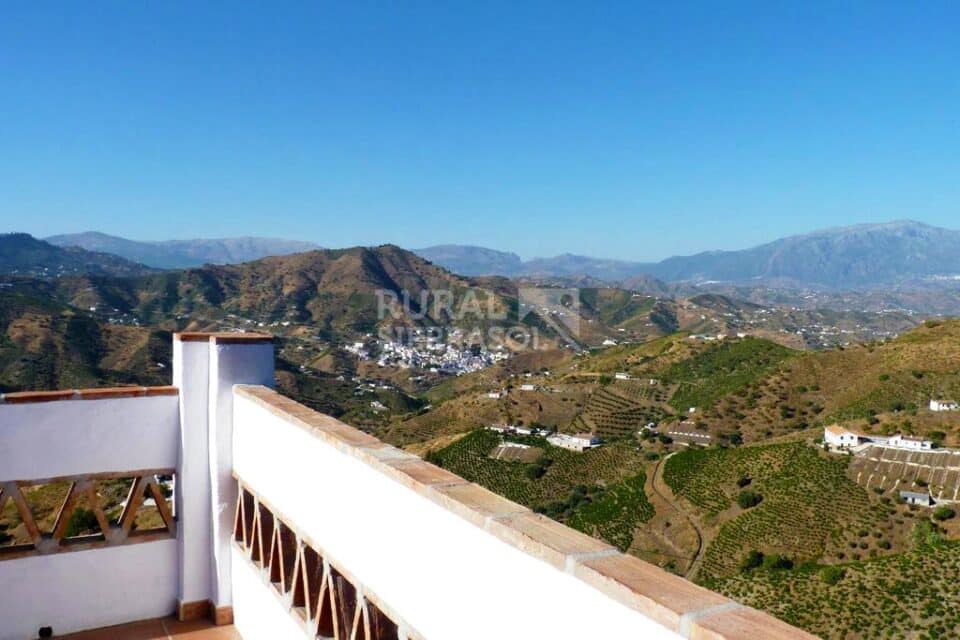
<point x="22" y="254"/>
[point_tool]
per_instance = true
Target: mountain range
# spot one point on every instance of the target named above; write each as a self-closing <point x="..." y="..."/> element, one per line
<point x="22" y="254"/>
<point x="182" y="254"/>
<point x="863" y="256"/>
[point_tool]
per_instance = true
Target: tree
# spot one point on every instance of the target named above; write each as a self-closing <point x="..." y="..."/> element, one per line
<point x="944" y="513"/>
<point x="748" y="499"/>
<point x="753" y="560"/>
<point x="832" y="574"/>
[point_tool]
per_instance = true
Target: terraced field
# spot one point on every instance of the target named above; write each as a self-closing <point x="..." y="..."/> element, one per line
<point x="809" y="508"/>
<point x="911" y="595"/>
<point x="599" y="491"/>
<point x="889" y="470"/>
<point x="614" y="415"/>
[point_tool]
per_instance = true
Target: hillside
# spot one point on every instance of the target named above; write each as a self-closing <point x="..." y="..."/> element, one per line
<point x="22" y="254"/>
<point x="48" y="345"/>
<point x="181" y="254"/>
<point x="334" y="292"/>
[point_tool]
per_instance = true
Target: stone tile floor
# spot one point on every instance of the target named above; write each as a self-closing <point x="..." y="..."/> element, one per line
<point x="159" y="629"/>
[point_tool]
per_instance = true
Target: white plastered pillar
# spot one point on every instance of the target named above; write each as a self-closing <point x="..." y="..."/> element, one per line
<point x="234" y="359"/>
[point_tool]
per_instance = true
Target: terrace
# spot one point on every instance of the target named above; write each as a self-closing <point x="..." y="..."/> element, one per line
<point x="286" y="523"/>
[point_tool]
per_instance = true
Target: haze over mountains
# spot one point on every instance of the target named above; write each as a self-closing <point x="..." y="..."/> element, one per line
<point x="182" y="254"/>
<point x="862" y="256"/>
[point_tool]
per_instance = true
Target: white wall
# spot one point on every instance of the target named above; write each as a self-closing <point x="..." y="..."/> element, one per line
<point x="448" y="578"/>
<point x="72" y="591"/>
<point x="71" y="437"/>
<point x="87" y="589"/>
<point x="230" y="364"/>
<point x="257" y="611"/>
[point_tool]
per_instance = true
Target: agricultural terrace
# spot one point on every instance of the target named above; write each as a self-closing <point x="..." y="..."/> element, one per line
<point x="911" y="595"/>
<point x="619" y="410"/>
<point x="809" y="507"/>
<point x="888" y="470"/>
<point x="599" y="491"/>
<point x="721" y="369"/>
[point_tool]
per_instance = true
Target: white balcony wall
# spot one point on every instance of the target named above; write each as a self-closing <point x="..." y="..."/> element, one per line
<point x="72" y="591"/>
<point x="72" y="437"/>
<point x="448" y="578"/>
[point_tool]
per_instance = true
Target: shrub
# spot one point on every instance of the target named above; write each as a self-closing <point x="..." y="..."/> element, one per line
<point x="748" y="499"/>
<point x="753" y="560"/>
<point x="81" y="521"/>
<point x="777" y="563"/>
<point x="744" y="481"/>
<point x="832" y="575"/>
<point x="944" y="513"/>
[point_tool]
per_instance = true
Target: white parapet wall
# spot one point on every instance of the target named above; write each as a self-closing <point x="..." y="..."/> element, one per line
<point x="444" y="558"/>
<point x="44" y="436"/>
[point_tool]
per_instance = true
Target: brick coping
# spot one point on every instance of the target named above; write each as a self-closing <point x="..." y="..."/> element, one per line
<point x="677" y="604"/>
<point x="30" y="397"/>
<point x="222" y="337"/>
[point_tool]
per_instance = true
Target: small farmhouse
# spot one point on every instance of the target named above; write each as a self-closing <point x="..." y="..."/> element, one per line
<point x="576" y="442"/>
<point x="911" y="497"/>
<point x="840" y="437"/>
<point x="621" y="376"/>
<point x="910" y="442"/>
<point x="943" y="405"/>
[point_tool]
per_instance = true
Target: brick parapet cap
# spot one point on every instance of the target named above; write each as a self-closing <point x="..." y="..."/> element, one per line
<point x="680" y="605"/>
<point x="222" y="337"/>
<point x="30" y="397"/>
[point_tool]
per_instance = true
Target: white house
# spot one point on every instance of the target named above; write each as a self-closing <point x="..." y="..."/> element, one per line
<point x="914" y="443"/>
<point x="494" y="395"/>
<point x="621" y="376"/>
<point x="912" y="497"/>
<point x="528" y="387"/>
<point x="577" y="442"/>
<point x="943" y="405"/>
<point x="840" y="437"/>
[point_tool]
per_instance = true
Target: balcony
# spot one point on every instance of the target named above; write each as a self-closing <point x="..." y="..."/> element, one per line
<point x="274" y="521"/>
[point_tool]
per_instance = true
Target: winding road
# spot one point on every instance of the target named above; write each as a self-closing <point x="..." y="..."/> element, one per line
<point x="665" y="494"/>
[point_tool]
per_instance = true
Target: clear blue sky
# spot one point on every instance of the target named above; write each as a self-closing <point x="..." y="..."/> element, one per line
<point x="633" y="130"/>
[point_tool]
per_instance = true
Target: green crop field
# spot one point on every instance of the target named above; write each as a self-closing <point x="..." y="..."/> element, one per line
<point x="721" y="369"/>
<point x="599" y="491"/>
<point x="809" y="507"/>
<point x="911" y="595"/>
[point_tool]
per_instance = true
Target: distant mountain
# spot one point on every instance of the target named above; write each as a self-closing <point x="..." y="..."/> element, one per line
<point x="849" y="257"/>
<point x="333" y="291"/>
<point x="181" y="254"/>
<point x="473" y="261"/>
<point x="22" y="254"/>
<point x="863" y="256"/>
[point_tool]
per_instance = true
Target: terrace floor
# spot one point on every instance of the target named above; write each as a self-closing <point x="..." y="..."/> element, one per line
<point x="158" y="629"/>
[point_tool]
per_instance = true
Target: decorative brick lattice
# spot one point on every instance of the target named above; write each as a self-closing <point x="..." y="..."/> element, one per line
<point x="325" y="601"/>
<point x="83" y="491"/>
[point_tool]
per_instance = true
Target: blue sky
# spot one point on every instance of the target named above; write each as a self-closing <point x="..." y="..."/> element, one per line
<point x="630" y="130"/>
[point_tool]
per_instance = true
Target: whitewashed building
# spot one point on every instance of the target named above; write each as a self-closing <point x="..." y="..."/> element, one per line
<point x="841" y="437"/>
<point x="913" y="443"/>
<point x="943" y="405"/>
<point x="577" y="442"/>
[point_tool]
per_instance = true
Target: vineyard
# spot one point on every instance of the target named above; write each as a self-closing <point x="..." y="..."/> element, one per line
<point x="721" y="369"/>
<point x="616" y="416"/>
<point x="911" y="595"/>
<point x="599" y="491"/>
<point x="809" y="507"/>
